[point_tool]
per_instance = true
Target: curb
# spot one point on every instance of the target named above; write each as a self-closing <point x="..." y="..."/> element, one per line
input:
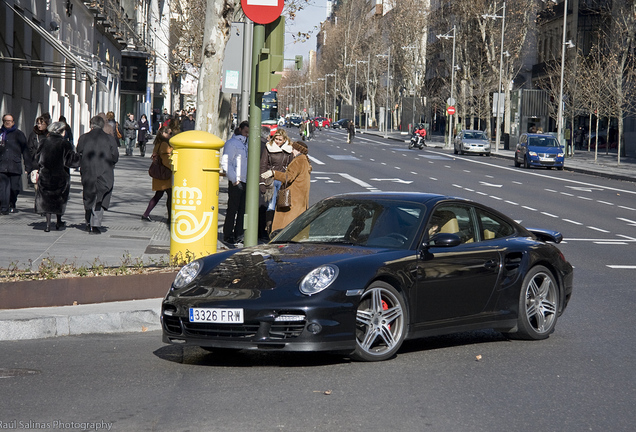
<point x="114" y="317"/>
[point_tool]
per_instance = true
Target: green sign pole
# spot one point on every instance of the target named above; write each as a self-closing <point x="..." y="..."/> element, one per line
<point x="254" y="144"/>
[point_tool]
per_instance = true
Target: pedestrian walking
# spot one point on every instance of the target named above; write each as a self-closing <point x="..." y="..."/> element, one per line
<point x="276" y="155"/>
<point x="36" y="137"/>
<point x="130" y="133"/>
<point x="13" y="150"/>
<point x="351" y="131"/>
<point x="163" y="150"/>
<point x="98" y="154"/>
<point x="297" y="178"/>
<point x="187" y="123"/>
<point x="142" y="135"/>
<point x="234" y="164"/>
<point x="55" y="158"/>
<point x="579" y="136"/>
<point x="68" y="134"/>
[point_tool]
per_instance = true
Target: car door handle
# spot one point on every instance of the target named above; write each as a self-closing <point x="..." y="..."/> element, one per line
<point x="491" y="264"/>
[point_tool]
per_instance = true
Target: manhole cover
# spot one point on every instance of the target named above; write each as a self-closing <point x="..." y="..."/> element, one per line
<point x="10" y="373"/>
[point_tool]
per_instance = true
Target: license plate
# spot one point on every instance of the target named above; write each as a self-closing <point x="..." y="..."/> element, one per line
<point x="546" y="159"/>
<point x="215" y="315"/>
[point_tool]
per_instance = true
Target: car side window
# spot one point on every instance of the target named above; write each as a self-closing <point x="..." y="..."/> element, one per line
<point x="492" y="227"/>
<point x="452" y="219"/>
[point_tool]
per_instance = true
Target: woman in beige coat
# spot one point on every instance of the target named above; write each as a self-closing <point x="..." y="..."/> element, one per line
<point x="297" y="179"/>
<point x="164" y="150"/>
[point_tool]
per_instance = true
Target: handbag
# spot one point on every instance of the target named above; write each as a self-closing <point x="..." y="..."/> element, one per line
<point x="283" y="199"/>
<point x="158" y="170"/>
<point x="35" y="175"/>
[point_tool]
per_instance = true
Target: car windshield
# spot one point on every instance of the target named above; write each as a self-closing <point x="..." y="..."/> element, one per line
<point x="377" y="223"/>
<point x="474" y="135"/>
<point x="543" y="142"/>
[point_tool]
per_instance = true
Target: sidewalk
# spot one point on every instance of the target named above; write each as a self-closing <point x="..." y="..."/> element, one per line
<point x="127" y="238"/>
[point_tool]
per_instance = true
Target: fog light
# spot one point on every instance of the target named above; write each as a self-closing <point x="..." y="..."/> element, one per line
<point x="280" y="318"/>
<point x="314" y="328"/>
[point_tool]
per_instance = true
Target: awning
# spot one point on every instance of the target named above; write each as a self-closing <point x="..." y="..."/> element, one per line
<point x="55" y="43"/>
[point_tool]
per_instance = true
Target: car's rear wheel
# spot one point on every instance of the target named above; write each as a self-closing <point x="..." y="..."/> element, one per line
<point x="381" y="322"/>
<point x="538" y="305"/>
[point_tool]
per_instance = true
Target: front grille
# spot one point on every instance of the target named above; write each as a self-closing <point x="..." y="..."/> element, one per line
<point x="286" y="330"/>
<point x="547" y="155"/>
<point x="172" y="324"/>
<point x="220" y="330"/>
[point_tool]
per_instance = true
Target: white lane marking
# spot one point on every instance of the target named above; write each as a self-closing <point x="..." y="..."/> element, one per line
<point x="598" y="229"/>
<point x="550" y="190"/>
<point x="470" y="190"/>
<point x="622" y="267"/>
<point x="629" y="221"/>
<point x="482" y="193"/>
<point x="489" y="176"/>
<point x="466" y="171"/>
<point x="394" y="180"/>
<point x="605" y="202"/>
<point x="627" y="208"/>
<point x="610" y="243"/>
<point x="457" y="186"/>
<point x="511" y="202"/>
<point x="432" y="178"/>
<point x="627" y="237"/>
<point x="549" y="214"/>
<point x="572" y="222"/>
<point x="516" y="182"/>
<point x="490" y="184"/>
<point x="584" y="189"/>
<point x="566" y="194"/>
<point x="529" y="208"/>
<point x="316" y="161"/>
<point x="496" y="197"/>
<point x="413" y="172"/>
<point x="585" y="198"/>
<point x="357" y="181"/>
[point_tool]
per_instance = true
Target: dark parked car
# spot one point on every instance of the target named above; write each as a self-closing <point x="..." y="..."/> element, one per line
<point x="295" y="121"/>
<point x="472" y="141"/>
<point x="340" y="124"/>
<point x="360" y="273"/>
<point x="542" y="150"/>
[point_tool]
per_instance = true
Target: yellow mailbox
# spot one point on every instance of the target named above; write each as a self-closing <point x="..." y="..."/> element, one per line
<point x="195" y="195"/>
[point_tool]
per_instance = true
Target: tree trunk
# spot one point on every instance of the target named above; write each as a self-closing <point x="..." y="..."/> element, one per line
<point x="213" y="107"/>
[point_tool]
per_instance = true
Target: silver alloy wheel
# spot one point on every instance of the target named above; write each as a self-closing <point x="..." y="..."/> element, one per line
<point x="541" y="303"/>
<point x="380" y="323"/>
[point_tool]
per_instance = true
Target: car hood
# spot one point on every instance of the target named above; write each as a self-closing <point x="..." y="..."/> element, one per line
<point x="475" y="141"/>
<point x="550" y="150"/>
<point x="266" y="267"/>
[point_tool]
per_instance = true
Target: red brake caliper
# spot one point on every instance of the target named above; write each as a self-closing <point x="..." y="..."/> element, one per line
<point x="385" y="306"/>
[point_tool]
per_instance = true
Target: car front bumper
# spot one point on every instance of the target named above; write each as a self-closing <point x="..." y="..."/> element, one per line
<point x="325" y="326"/>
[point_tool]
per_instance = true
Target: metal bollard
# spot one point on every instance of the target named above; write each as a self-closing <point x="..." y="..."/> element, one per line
<point x="195" y="195"/>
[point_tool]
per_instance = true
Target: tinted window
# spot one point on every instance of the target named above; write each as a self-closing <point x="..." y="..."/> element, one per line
<point x="452" y="219"/>
<point x="493" y="227"/>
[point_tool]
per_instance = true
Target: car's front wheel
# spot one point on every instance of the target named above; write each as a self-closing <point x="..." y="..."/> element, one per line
<point x="381" y="322"/>
<point x="538" y="305"/>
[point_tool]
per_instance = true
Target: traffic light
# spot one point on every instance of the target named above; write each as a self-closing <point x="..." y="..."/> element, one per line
<point x="299" y="62"/>
<point x="270" y="63"/>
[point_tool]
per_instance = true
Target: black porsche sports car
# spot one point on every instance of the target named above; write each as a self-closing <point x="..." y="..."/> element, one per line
<point x="360" y="273"/>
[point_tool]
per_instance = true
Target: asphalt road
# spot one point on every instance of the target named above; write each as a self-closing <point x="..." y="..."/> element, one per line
<point x="578" y="379"/>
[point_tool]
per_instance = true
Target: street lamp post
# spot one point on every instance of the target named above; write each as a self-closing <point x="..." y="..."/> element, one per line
<point x="451" y="100"/>
<point x="563" y="45"/>
<point x="335" y="78"/>
<point x="327" y="75"/>
<point x="355" y="85"/>
<point x="388" y="77"/>
<point x="501" y="54"/>
<point x="354" y="109"/>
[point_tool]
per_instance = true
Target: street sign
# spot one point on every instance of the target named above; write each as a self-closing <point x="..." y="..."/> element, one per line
<point x="450" y="110"/>
<point x="262" y="11"/>
<point x="450" y="101"/>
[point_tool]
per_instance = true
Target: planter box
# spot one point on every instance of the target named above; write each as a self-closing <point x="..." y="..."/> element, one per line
<point x="84" y="290"/>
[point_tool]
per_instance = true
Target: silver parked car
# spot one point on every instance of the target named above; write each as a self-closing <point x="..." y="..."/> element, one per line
<point x="472" y="141"/>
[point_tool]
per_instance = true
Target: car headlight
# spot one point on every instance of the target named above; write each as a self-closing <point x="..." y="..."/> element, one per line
<point x="318" y="279"/>
<point x="187" y="274"/>
<point x="560" y="154"/>
<point x="532" y="153"/>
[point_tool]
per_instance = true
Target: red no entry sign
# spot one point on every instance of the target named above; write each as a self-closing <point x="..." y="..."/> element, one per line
<point x="262" y="11"/>
<point x="450" y="110"/>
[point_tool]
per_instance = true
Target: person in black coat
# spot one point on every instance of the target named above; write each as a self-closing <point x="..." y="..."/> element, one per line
<point x="55" y="156"/>
<point x="36" y="137"/>
<point x="13" y="149"/>
<point x="142" y="135"/>
<point x="98" y="155"/>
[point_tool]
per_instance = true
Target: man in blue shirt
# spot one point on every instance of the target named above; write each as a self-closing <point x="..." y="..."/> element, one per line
<point x="234" y="163"/>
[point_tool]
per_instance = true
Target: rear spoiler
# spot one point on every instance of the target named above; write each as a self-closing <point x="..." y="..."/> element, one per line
<point x="546" y="235"/>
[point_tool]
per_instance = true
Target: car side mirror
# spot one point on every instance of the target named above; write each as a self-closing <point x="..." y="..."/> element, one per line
<point x="443" y="240"/>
